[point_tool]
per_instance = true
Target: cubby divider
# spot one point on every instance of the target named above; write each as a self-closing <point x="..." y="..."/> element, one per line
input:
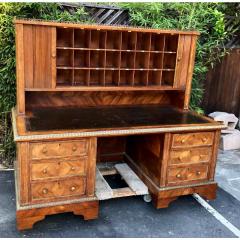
<point x="97" y="77"/>
<point x="82" y="38"/>
<point x="64" y="77"/>
<point x="140" y="77"/>
<point x="169" y="61"/>
<point x="142" y="60"/>
<point x="65" y="37"/>
<point x="157" y="42"/>
<point x="98" y="39"/>
<point x="112" y="59"/>
<point x="81" y="59"/>
<point x="127" y="60"/>
<point x="64" y="58"/>
<point x="129" y="41"/>
<point x="171" y="43"/>
<point x="156" y="60"/>
<point x="114" y="40"/>
<point x="95" y="57"/>
<point x="126" y="77"/>
<point x="168" y="78"/>
<point x="154" y="77"/>
<point x="112" y="77"/>
<point x="81" y="77"/>
<point x="143" y="41"/>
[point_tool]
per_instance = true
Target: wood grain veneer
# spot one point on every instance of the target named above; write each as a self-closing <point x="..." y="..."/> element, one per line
<point x="88" y="93"/>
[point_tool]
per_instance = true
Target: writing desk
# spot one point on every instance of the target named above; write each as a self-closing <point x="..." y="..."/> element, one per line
<point x="93" y="94"/>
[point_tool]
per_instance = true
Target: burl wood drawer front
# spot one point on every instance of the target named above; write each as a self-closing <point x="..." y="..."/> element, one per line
<point x="59" y="149"/>
<point x="187" y="174"/>
<point x="192" y="139"/>
<point x="58" y="189"/>
<point x="52" y="169"/>
<point x="189" y="156"/>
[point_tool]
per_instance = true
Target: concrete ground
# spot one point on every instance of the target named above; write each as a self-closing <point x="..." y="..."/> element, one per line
<point x="128" y="217"/>
<point x="228" y="172"/>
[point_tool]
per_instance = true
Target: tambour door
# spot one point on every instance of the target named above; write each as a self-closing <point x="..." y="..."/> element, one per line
<point x="185" y="60"/>
<point x="39" y="55"/>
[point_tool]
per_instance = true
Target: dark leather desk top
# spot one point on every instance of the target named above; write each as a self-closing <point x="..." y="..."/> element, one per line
<point x="48" y="119"/>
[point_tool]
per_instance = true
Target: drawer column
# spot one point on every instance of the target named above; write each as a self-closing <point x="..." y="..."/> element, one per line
<point x="187" y="166"/>
<point x="59" y="176"/>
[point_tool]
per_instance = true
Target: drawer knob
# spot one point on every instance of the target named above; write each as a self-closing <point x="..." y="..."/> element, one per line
<point x="180" y="158"/>
<point x="44" y="170"/>
<point x="204" y="139"/>
<point x="73" y="189"/>
<point x="178" y="175"/>
<point x="45" y="191"/>
<point x="183" y="141"/>
<point x="44" y="150"/>
<point x="73" y="168"/>
<point x="74" y="148"/>
<point x="198" y="173"/>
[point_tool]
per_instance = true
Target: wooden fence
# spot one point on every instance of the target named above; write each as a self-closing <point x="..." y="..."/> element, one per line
<point x="222" y="87"/>
<point x="101" y="14"/>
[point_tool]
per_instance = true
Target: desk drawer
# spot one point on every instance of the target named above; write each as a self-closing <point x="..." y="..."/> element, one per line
<point x="184" y="175"/>
<point x="189" y="156"/>
<point x="58" y="189"/>
<point x="58" y="149"/>
<point x="193" y="139"/>
<point x="57" y="168"/>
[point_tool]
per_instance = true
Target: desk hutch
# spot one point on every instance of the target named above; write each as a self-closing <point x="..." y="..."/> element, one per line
<point x="90" y="95"/>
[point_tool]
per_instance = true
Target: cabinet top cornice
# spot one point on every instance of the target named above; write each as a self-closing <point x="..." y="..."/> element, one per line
<point x="101" y="26"/>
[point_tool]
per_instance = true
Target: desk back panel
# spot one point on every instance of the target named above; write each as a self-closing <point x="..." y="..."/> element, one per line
<point x="94" y="98"/>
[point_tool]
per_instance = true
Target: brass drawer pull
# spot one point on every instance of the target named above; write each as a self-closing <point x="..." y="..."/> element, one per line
<point x="73" y="168"/>
<point x="44" y="150"/>
<point x="198" y="173"/>
<point x="44" y="171"/>
<point x="178" y="175"/>
<point x="183" y="141"/>
<point x="73" y="189"/>
<point x="204" y="139"/>
<point x="180" y="158"/>
<point x="74" y="148"/>
<point x="45" y="191"/>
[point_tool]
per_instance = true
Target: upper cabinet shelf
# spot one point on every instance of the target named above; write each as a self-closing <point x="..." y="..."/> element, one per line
<point x="116" y="40"/>
<point x="112" y="50"/>
<point x="115" y="58"/>
<point x="62" y="55"/>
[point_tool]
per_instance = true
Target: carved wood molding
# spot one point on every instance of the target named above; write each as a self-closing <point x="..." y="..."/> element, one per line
<point x="100" y="133"/>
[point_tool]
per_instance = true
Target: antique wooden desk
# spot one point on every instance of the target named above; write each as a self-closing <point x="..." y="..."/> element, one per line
<point x="89" y="94"/>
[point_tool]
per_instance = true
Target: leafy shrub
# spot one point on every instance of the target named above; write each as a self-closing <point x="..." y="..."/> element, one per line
<point x="207" y="18"/>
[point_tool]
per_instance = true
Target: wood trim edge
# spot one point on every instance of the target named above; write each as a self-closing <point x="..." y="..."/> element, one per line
<point x="100" y="26"/>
